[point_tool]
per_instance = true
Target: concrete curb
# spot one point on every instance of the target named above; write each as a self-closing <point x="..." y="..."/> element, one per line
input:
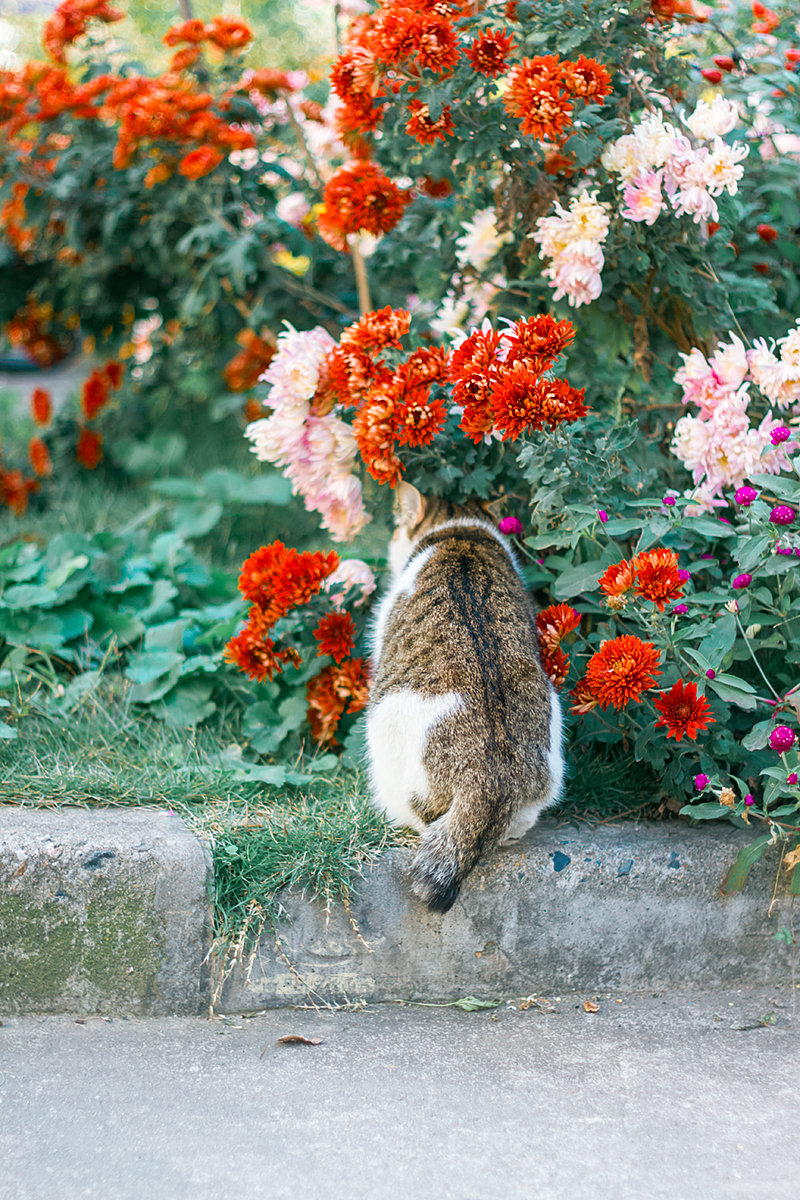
<point x="102" y="911"/>
<point x="107" y="911"/>
<point x="632" y="907"/>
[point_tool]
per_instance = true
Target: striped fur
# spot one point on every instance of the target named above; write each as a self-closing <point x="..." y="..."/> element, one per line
<point x="463" y="727"/>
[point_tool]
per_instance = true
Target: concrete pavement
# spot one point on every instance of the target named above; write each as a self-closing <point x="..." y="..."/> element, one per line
<point x="674" y="1097"/>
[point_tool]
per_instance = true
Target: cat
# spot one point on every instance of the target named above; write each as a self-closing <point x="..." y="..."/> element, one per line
<point x="463" y="727"/>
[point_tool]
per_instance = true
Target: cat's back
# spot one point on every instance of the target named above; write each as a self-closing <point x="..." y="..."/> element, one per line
<point x="458" y="619"/>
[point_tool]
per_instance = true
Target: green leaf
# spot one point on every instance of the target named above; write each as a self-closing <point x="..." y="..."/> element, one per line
<point x="473" y="1004"/>
<point x="720" y="640"/>
<point x="734" y="690"/>
<point x="736" y="876"/>
<point x="707" y="811"/>
<point x="29" y="595"/>
<point x="7" y="732"/>
<point x="582" y="578"/>
<point x="196" y="518"/>
<point x="752" y="550"/>
<point x="758" y="736"/>
<point x="153" y="664"/>
<point x="187" y="705"/>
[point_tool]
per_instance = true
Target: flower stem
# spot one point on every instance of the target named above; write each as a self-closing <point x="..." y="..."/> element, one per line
<point x="753" y="656"/>
<point x="362" y="282"/>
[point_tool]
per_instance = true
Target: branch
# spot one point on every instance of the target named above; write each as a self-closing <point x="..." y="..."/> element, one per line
<point x="360" y="268"/>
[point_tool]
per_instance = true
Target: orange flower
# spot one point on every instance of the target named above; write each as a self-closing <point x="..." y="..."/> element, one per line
<point x="683" y="711"/>
<point x="41" y="406"/>
<point x="113" y="372"/>
<point x="277" y="578"/>
<point x="228" y="33"/>
<point x="657" y="577"/>
<point x="583" y="697"/>
<point x="418" y="418"/>
<point x="185" y="58"/>
<point x="89" y="450"/>
<point x="360" y="197"/>
<point x="39" y="457"/>
<point x="427" y="38"/>
<point x="94" y="395"/>
<point x="766" y="19"/>
<point x="336" y="690"/>
<point x="253" y="652"/>
<point x="489" y="52"/>
<point x="375" y="433"/>
<point x="618" y="579"/>
<point x="473" y="373"/>
<point x="555" y="664"/>
<point x="517" y="400"/>
<point x="423" y="128"/>
<point x="539" y="341"/>
<point x="160" y="173"/>
<point x="192" y="31"/>
<point x="536" y="94"/>
<point x="554" y="623"/>
<point x="621" y="670"/>
<point x="70" y="21"/>
<point x="435" y="188"/>
<point x="426" y="364"/>
<point x="245" y="368"/>
<point x="15" y="490"/>
<point x="268" y="81"/>
<point x="377" y="329"/>
<point x="336" y="635"/>
<point x="199" y="162"/>
<point x="588" y="79"/>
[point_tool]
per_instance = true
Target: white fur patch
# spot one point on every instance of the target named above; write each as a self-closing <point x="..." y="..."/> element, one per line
<point x="397" y="732"/>
<point x="403" y="584"/>
<point x="527" y="816"/>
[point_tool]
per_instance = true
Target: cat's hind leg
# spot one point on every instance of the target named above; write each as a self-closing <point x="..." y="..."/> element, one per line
<point x="398" y="727"/>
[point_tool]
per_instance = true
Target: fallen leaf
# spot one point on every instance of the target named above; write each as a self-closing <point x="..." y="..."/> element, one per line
<point x="590" y="1006"/>
<point x="79" y="1021"/>
<point x="298" y="1039"/>
<point x="472" y="1004"/>
<point x="792" y="859"/>
<point x="21" y="869"/>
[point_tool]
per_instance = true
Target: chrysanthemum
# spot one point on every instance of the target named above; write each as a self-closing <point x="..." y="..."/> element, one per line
<point x="489" y="52"/>
<point x="421" y="126"/>
<point x="683" y="711"/>
<point x="94" y="395"/>
<point x="517" y="400"/>
<point x="41" y="406"/>
<point x="336" y="635"/>
<point x="418" y="418"/>
<point x="89" y="450"/>
<point x="621" y="670"/>
<point x="617" y="580"/>
<point x="539" y="341"/>
<point x="377" y="329"/>
<point x="336" y="690"/>
<point x="584" y="699"/>
<point x="555" y="664"/>
<point x="587" y="78"/>
<point x="657" y="577"/>
<point x="554" y="623"/>
<point x="199" y="162"/>
<point x="360" y="197"/>
<point x="376" y="434"/>
<point x="39" y="457"/>
<point x="536" y="95"/>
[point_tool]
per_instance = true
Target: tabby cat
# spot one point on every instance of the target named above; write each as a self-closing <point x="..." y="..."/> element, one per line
<point x="463" y="726"/>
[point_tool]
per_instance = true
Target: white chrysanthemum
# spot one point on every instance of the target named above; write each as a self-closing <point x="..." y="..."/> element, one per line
<point x="449" y="320"/>
<point x="625" y="156"/>
<point x="657" y="139"/>
<point x="294" y="371"/>
<point x="350" y="573"/>
<point x="292" y="209"/>
<point x="714" y="119"/>
<point x="723" y="171"/>
<point x="790" y="350"/>
<point x="729" y="363"/>
<point x="588" y="218"/>
<point x="553" y="233"/>
<point x="481" y="240"/>
<point x="765" y="369"/>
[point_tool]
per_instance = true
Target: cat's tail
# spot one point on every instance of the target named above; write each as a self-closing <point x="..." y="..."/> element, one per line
<point x="452" y="845"/>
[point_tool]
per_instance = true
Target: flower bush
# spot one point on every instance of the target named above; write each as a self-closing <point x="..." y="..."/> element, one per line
<point x="541" y="255"/>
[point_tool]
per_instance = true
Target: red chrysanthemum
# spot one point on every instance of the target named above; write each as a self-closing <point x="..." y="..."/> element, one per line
<point x="554" y="623"/>
<point x="536" y="95"/>
<point x="621" y="670"/>
<point x="489" y="52"/>
<point x="41" y="406"/>
<point x="192" y="31"/>
<point x="15" y="490"/>
<point x="683" y="711"/>
<point x="39" y="457"/>
<point x="426" y="364"/>
<point x="588" y="79"/>
<point x="269" y="81"/>
<point x="255" y="653"/>
<point x="522" y="402"/>
<point x="437" y="189"/>
<point x="199" y="162"/>
<point x="555" y="664"/>
<point x="94" y="395"/>
<point x="584" y="699"/>
<point x="417" y="418"/>
<point x="336" y="633"/>
<point x="278" y="578"/>
<point x="375" y="432"/>
<point x="361" y="197"/>
<point x="473" y="369"/>
<point x="618" y="579"/>
<point x="539" y="341"/>
<point x="89" y="450"/>
<point x="377" y="330"/>
<point x="428" y="40"/>
<point x="113" y="372"/>
<point x="228" y="33"/>
<point x="336" y="690"/>
<point x="657" y="577"/>
<point x="421" y="126"/>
